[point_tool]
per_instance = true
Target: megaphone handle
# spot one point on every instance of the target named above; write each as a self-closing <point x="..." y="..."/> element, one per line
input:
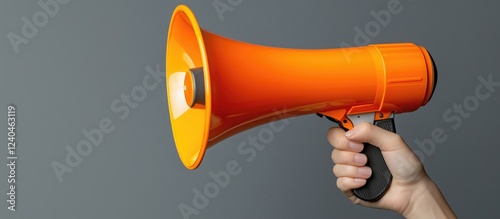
<point x="381" y="177"/>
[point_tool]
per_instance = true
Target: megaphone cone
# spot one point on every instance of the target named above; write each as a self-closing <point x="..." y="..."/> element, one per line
<point x="217" y="87"/>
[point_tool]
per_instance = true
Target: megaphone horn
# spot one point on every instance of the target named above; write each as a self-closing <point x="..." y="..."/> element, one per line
<point x="217" y="87"/>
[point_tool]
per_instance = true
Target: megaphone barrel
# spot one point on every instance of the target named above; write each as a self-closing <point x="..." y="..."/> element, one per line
<point x="217" y="87"/>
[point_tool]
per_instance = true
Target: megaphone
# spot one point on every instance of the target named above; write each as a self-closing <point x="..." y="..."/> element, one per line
<point x="217" y="87"/>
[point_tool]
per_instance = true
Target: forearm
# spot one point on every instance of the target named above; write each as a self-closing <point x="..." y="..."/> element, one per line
<point x="428" y="202"/>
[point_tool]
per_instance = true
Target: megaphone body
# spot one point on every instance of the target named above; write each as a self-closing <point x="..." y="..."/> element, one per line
<point x="218" y="87"/>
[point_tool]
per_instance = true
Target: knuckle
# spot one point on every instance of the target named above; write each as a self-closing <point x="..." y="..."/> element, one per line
<point x="336" y="170"/>
<point x="339" y="183"/>
<point x="365" y="127"/>
<point x="341" y="170"/>
<point x="338" y="156"/>
<point x="335" y="137"/>
<point x="342" y="184"/>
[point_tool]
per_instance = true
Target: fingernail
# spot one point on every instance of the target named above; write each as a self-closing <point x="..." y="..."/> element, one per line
<point x="360" y="158"/>
<point x="350" y="133"/>
<point x="355" y="146"/>
<point x="365" y="171"/>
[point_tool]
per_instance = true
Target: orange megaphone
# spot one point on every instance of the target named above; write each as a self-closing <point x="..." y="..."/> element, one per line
<point x="217" y="87"/>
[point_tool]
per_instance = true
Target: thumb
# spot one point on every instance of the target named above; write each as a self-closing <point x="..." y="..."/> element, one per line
<point x="385" y="140"/>
<point x="401" y="161"/>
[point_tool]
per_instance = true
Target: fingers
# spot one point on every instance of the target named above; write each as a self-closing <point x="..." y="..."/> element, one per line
<point x="385" y="140"/>
<point x="351" y="177"/>
<point x="349" y="163"/>
<point x="400" y="159"/>
<point x="337" y="138"/>
<point x="346" y="184"/>
<point x="341" y="170"/>
<point x="348" y="158"/>
<point x="350" y="170"/>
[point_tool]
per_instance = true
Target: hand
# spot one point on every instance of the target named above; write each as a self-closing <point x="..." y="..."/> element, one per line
<point x="412" y="193"/>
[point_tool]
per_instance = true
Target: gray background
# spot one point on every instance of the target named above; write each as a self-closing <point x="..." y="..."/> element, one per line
<point x="66" y="77"/>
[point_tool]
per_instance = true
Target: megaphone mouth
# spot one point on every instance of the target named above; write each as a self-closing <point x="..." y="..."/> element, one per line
<point x="188" y="86"/>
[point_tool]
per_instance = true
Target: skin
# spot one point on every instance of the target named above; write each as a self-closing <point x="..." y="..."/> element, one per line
<point x="412" y="193"/>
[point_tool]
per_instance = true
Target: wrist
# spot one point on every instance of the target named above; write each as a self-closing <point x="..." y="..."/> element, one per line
<point x="428" y="202"/>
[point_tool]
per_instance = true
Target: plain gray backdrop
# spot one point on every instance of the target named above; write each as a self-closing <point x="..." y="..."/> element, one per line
<point x="66" y="77"/>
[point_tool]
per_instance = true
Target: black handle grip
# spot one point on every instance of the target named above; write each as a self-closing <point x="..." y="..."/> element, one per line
<point x="381" y="178"/>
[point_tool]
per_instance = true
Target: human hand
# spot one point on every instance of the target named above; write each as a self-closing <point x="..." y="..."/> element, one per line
<point x="411" y="189"/>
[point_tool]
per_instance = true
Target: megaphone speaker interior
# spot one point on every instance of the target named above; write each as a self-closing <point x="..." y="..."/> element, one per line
<point x="217" y="87"/>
